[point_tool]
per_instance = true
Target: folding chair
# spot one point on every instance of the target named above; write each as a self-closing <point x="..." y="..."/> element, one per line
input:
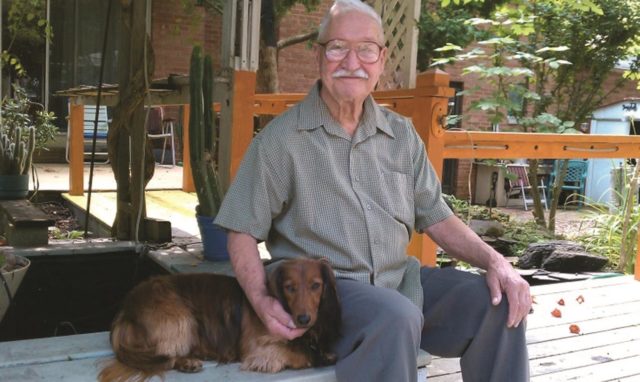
<point x="519" y="185"/>
<point x="101" y="133"/>
<point x="574" y="179"/>
<point x="166" y="133"/>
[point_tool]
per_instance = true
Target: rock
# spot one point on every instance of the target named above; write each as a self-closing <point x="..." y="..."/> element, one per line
<point x="487" y="227"/>
<point x="561" y="256"/>
<point x="536" y="253"/>
<point x="573" y="262"/>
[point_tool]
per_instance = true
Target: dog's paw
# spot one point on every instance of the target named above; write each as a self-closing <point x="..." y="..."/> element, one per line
<point x="262" y="365"/>
<point x="188" y="365"/>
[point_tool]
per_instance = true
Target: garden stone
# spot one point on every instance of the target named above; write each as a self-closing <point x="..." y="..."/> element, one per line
<point x="535" y="255"/>
<point x="573" y="262"/>
<point x="486" y="227"/>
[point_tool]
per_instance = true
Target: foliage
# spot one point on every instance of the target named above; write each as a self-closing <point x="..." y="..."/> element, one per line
<point x="546" y="62"/>
<point x="19" y="111"/>
<point x="521" y="233"/>
<point x="442" y="22"/>
<point x="27" y="29"/>
<point x="616" y="226"/>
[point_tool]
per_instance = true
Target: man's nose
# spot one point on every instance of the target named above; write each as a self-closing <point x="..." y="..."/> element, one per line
<point x="351" y="62"/>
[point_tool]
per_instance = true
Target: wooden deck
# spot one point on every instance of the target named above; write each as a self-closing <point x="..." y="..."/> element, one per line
<point x="608" y="348"/>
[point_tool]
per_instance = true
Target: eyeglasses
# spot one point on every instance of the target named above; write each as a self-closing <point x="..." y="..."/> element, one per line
<point x="336" y="50"/>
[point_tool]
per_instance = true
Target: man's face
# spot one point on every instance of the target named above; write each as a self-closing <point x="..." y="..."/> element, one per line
<point x="342" y="80"/>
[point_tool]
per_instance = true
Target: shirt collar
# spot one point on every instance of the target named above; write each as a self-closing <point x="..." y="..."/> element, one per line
<point x="316" y="114"/>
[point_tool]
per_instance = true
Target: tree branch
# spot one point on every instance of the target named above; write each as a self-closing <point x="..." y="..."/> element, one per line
<point x="285" y="42"/>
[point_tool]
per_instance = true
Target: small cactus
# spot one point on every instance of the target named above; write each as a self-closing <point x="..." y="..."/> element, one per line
<point x="202" y="135"/>
<point x="16" y="155"/>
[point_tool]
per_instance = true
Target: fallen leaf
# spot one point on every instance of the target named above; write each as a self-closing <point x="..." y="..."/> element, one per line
<point x="575" y="329"/>
<point x="556" y="313"/>
<point x="561" y="302"/>
<point x="580" y="299"/>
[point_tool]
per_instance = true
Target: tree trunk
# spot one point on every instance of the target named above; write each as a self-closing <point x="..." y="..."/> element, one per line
<point x="128" y="127"/>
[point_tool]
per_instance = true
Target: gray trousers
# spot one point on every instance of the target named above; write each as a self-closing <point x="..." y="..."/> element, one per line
<point x="382" y="331"/>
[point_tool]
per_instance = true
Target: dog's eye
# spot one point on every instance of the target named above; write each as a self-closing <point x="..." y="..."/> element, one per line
<point x="316" y="285"/>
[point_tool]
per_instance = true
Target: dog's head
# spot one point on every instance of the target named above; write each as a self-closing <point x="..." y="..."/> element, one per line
<point x="306" y="288"/>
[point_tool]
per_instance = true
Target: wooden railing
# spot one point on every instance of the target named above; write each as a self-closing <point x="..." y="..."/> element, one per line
<point x="426" y="105"/>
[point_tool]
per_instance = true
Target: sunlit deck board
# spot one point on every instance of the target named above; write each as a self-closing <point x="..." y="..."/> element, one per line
<point x="176" y="206"/>
<point x="608" y="348"/>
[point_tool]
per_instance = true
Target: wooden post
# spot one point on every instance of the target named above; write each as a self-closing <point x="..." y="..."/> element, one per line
<point x="236" y="125"/>
<point x="76" y="150"/>
<point x="187" y="176"/>
<point x="430" y="107"/>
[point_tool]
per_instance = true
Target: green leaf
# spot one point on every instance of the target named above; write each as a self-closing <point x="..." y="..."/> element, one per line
<point x="553" y="49"/>
<point x="448" y="47"/>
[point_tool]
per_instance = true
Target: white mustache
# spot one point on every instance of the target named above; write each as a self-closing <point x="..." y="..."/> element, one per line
<point x="359" y="73"/>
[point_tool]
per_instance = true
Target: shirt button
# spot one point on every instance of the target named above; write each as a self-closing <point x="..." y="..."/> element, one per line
<point x="369" y="206"/>
<point x="357" y="178"/>
<point x="376" y="241"/>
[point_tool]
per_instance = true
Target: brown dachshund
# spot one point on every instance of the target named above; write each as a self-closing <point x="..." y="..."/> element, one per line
<point x="177" y="321"/>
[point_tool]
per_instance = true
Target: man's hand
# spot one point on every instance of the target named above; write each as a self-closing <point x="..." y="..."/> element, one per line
<point x="245" y="259"/>
<point x="501" y="277"/>
<point x="276" y="319"/>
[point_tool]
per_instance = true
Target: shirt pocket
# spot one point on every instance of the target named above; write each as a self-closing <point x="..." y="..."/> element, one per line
<point x="397" y="196"/>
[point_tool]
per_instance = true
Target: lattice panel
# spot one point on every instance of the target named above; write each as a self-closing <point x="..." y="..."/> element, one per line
<point x="399" y="21"/>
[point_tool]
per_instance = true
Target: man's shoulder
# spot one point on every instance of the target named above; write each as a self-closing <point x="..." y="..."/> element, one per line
<point x="401" y="125"/>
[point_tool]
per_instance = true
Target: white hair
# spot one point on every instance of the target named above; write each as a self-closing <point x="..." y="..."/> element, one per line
<point x="345" y="6"/>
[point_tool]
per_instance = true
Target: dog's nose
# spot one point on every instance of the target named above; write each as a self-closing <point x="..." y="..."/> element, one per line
<point x="303" y="319"/>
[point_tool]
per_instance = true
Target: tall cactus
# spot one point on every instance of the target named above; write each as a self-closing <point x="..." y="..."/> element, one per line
<point x="202" y="134"/>
<point x="16" y="156"/>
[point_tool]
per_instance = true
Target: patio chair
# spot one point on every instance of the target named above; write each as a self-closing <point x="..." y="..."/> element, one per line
<point x="574" y="179"/>
<point x="519" y="185"/>
<point x="101" y="133"/>
<point x="165" y="132"/>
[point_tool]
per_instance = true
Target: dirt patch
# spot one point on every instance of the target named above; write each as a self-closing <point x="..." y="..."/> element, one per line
<point x="65" y="221"/>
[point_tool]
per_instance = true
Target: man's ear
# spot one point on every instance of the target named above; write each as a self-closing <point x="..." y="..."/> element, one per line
<point x="383" y="56"/>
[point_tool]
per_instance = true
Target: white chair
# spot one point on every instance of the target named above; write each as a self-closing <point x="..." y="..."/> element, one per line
<point x="519" y="185"/>
<point x="166" y="133"/>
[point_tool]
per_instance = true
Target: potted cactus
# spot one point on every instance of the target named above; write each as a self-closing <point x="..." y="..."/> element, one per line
<point x="22" y="130"/>
<point x="16" y="155"/>
<point x="202" y="146"/>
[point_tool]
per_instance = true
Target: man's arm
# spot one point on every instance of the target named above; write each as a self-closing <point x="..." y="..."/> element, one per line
<point x="245" y="259"/>
<point x="459" y="241"/>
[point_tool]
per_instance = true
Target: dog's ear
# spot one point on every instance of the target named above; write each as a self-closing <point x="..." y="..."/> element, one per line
<point x="329" y="312"/>
<point x="275" y="278"/>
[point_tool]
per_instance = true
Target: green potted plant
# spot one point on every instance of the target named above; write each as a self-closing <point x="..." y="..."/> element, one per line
<point x="202" y="146"/>
<point x="12" y="271"/>
<point x="24" y="127"/>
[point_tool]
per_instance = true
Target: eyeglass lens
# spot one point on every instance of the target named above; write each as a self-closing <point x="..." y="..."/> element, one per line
<point x="367" y="52"/>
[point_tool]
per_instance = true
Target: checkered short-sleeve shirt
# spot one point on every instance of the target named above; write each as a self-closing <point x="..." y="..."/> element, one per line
<point x="307" y="187"/>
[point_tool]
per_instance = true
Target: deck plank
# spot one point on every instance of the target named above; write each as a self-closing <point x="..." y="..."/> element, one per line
<point x="607" y="350"/>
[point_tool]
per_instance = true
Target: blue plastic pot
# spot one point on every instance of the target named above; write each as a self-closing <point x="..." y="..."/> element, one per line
<point x="214" y="239"/>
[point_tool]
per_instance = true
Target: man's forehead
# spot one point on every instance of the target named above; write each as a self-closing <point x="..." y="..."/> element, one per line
<point x="354" y="26"/>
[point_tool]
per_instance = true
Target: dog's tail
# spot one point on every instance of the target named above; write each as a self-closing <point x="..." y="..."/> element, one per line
<point x="130" y="349"/>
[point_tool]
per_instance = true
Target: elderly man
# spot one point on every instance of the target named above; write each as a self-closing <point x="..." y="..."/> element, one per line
<point x="339" y="177"/>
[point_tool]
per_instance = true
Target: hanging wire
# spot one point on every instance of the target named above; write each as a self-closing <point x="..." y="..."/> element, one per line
<point x="95" y="121"/>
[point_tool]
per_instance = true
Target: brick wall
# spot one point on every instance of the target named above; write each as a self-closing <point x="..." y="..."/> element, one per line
<point x="297" y="65"/>
<point x="174" y="33"/>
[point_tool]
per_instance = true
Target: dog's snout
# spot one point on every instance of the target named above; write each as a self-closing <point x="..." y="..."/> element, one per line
<point x="303" y="319"/>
